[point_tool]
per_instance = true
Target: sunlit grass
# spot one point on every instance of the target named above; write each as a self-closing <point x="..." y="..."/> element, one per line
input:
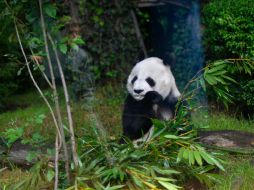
<point x="239" y="174"/>
<point x="221" y="121"/>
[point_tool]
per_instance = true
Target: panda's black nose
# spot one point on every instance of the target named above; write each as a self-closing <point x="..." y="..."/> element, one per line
<point x="138" y="91"/>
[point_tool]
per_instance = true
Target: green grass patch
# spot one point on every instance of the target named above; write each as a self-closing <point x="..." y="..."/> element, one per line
<point x="239" y="174"/>
<point x="221" y="121"/>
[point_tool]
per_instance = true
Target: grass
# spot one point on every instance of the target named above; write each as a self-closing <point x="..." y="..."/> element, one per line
<point x="239" y="169"/>
<point x="12" y="176"/>
<point x="29" y="106"/>
<point x="221" y="121"/>
<point x="107" y="107"/>
<point x="239" y="174"/>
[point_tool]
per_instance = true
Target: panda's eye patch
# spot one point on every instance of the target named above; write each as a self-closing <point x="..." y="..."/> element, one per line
<point x="150" y="81"/>
<point x="134" y="79"/>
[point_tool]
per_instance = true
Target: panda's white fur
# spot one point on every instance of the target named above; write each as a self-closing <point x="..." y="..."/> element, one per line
<point x="155" y="68"/>
<point x="165" y="86"/>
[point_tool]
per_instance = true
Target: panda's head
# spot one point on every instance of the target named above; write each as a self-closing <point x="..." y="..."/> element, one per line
<point x="151" y="74"/>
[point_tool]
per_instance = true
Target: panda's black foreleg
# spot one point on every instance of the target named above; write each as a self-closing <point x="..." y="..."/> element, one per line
<point x="136" y="118"/>
<point x="134" y="125"/>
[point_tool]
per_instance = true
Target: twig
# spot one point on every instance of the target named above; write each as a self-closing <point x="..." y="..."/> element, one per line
<point x="56" y="161"/>
<point x="68" y="106"/>
<point x="43" y="73"/>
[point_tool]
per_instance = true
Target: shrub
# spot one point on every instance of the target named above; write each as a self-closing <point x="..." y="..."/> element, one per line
<point x="229" y="29"/>
<point x="246" y="92"/>
<point x="229" y="34"/>
<point x="110" y="37"/>
<point x="8" y="79"/>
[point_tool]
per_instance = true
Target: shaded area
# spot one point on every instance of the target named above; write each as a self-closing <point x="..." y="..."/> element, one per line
<point x="172" y="32"/>
<point x="13" y="107"/>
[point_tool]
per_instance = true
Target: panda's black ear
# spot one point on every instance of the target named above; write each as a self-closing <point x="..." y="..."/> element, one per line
<point x="169" y="59"/>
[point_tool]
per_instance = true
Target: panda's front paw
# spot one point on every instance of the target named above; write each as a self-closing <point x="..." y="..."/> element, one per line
<point x="153" y="97"/>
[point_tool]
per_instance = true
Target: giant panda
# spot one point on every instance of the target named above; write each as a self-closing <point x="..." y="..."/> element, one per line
<point x="152" y="93"/>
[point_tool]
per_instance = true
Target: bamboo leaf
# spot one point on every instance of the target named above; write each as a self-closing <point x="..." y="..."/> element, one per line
<point x="114" y="187"/>
<point x="215" y="69"/>
<point x="191" y="158"/>
<point x="165" y="171"/>
<point x="180" y="155"/>
<point x="198" y="158"/>
<point x="171" y="137"/>
<point x="186" y="154"/>
<point x="169" y="186"/>
<point x="209" y="159"/>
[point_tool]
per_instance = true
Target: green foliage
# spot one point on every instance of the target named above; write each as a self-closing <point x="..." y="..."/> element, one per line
<point x="231" y="82"/>
<point x="229" y="33"/>
<point x="229" y="29"/>
<point x="9" y="80"/>
<point x="247" y="92"/>
<point x="12" y="135"/>
<point x="240" y="174"/>
<point x="217" y="77"/>
<point x="244" y="97"/>
<point x="110" y="36"/>
<point x="41" y="176"/>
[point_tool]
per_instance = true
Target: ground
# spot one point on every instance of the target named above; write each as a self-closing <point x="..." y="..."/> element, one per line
<point x="32" y="115"/>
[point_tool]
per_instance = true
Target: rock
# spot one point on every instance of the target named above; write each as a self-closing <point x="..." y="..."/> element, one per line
<point x="18" y="153"/>
<point x="230" y="139"/>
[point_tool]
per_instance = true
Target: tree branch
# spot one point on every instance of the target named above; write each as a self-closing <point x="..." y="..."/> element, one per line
<point x="138" y="33"/>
